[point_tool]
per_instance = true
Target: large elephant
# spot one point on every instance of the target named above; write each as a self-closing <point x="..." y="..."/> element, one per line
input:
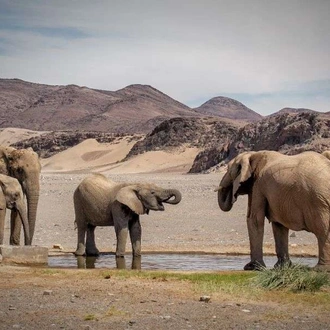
<point x="11" y="197"/>
<point x="292" y="192"/>
<point x="24" y="165"/>
<point x="99" y="201"/>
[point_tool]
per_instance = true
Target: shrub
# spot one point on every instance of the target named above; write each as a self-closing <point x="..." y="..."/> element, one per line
<point x="293" y="277"/>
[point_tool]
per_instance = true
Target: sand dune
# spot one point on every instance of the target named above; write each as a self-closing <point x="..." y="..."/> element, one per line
<point x="100" y="157"/>
<point x="12" y="135"/>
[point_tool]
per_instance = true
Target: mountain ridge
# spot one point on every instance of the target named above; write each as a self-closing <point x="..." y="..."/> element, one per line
<point x="135" y="108"/>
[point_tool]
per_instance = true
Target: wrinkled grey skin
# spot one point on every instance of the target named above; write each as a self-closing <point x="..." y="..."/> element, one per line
<point x="24" y="165"/>
<point x="99" y="201"/>
<point x="292" y="192"/>
<point x="11" y="197"/>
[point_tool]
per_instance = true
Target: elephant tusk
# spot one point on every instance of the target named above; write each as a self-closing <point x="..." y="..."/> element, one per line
<point x="217" y="189"/>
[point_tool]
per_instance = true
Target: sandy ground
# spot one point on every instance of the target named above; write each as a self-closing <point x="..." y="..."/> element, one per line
<point x="33" y="298"/>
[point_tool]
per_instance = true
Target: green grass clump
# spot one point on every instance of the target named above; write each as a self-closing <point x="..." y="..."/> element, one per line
<point x="293" y="277"/>
<point x="90" y="317"/>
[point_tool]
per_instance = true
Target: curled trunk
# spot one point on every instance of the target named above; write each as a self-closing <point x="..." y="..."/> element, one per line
<point x="225" y="196"/>
<point x="173" y="193"/>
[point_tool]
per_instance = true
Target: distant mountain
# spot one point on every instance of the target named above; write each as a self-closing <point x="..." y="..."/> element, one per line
<point x="134" y="109"/>
<point x="226" y="107"/>
<point x="293" y="110"/>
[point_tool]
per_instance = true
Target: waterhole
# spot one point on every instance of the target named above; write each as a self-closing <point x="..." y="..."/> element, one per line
<point x="184" y="262"/>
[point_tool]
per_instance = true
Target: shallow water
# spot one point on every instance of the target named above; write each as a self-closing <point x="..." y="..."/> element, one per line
<point x="184" y="262"/>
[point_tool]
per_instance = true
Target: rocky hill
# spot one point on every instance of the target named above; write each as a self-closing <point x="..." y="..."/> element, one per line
<point x="293" y="110"/>
<point x="226" y="107"/>
<point x="134" y="109"/>
<point x="288" y="133"/>
<point x="179" y="133"/>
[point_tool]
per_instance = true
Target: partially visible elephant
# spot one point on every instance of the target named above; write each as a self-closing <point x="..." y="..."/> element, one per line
<point x="11" y="197"/>
<point x="292" y="192"/>
<point x="326" y="153"/>
<point x="99" y="201"/>
<point x="24" y="165"/>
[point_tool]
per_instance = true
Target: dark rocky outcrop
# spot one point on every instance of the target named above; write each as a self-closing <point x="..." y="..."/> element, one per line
<point x="288" y="133"/>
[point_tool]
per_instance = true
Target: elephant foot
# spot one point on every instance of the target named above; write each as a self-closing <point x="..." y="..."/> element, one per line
<point x="255" y="265"/>
<point x="92" y="252"/>
<point x="15" y="242"/>
<point x="283" y="263"/>
<point x="80" y="250"/>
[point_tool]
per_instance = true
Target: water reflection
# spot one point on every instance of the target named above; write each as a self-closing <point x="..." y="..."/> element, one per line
<point x="185" y="262"/>
<point x="90" y="262"/>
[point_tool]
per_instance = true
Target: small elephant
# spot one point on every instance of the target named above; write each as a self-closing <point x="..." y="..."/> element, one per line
<point x="24" y="165"/>
<point x="99" y="201"/>
<point x="292" y="192"/>
<point x="11" y="197"/>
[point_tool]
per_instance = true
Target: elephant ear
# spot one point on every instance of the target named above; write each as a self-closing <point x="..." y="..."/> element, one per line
<point x="128" y="196"/>
<point x="244" y="172"/>
<point x="5" y="153"/>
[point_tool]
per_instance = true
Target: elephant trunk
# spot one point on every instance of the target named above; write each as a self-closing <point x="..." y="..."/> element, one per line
<point x="32" y="197"/>
<point x="173" y="193"/>
<point x="225" y="198"/>
<point x="20" y="207"/>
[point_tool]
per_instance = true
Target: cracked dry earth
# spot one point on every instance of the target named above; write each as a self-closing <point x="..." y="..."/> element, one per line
<point x="41" y="298"/>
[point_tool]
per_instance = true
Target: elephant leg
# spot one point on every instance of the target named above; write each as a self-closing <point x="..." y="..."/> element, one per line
<point x="121" y="234"/>
<point x="324" y="252"/>
<point x="15" y="228"/>
<point x="91" y="249"/>
<point x="2" y="224"/>
<point x="121" y="218"/>
<point x="81" y="250"/>
<point x="281" y="236"/>
<point x="135" y="232"/>
<point x="255" y="224"/>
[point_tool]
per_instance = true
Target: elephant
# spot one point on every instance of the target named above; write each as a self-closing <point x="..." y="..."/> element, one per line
<point x="11" y="197"/>
<point x="292" y="192"/>
<point x="24" y="165"/>
<point x="326" y="154"/>
<point x="99" y="201"/>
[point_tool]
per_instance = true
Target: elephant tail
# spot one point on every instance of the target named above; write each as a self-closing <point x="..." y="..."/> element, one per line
<point x="75" y="225"/>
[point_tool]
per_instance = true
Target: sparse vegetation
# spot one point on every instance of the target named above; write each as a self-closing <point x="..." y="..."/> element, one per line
<point x="90" y="317"/>
<point x="293" y="277"/>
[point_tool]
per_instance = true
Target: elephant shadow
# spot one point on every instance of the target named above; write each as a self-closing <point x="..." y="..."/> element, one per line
<point x="88" y="262"/>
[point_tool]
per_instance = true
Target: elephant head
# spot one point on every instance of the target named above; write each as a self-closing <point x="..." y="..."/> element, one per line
<point x="141" y="198"/>
<point x="235" y="181"/>
<point x="14" y="197"/>
<point x="24" y="165"/>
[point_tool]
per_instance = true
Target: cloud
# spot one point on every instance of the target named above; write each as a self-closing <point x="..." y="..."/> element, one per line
<point x="190" y="50"/>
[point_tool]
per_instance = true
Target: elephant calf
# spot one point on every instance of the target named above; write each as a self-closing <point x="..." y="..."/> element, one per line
<point x="99" y="201"/>
<point x="11" y="197"/>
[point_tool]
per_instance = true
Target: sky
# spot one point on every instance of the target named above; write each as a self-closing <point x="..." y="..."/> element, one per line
<point x="266" y="54"/>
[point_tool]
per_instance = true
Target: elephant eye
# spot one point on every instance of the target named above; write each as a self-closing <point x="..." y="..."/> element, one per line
<point x="153" y="192"/>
